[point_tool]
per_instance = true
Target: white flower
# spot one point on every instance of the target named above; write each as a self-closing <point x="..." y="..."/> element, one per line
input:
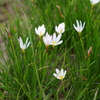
<point x="60" y="29"/>
<point x="23" y="46"/>
<point x="79" y="26"/>
<point x="40" y="30"/>
<point x="60" y="74"/>
<point x="93" y="2"/>
<point x="47" y="39"/>
<point x="55" y="40"/>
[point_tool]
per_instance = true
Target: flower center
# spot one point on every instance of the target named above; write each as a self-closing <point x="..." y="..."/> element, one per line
<point x="60" y="31"/>
<point x="40" y="33"/>
<point x="54" y="42"/>
<point x="61" y="77"/>
<point x="23" y="50"/>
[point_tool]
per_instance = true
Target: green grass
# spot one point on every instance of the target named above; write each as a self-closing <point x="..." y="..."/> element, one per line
<point x="29" y="75"/>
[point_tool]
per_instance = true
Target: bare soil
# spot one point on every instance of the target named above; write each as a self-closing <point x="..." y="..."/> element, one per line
<point x="6" y="11"/>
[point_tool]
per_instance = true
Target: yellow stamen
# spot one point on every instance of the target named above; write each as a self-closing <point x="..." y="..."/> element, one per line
<point x="40" y="33"/>
<point x="60" y="31"/>
<point x="54" y="42"/>
<point x="23" y="50"/>
<point x="47" y="46"/>
<point x="93" y="5"/>
<point x="79" y="33"/>
<point x="61" y="77"/>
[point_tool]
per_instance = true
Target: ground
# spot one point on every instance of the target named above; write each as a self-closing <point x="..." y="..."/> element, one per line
<point x="6" y="11"/>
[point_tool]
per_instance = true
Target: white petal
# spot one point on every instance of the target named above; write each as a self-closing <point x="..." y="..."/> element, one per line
<point x="43" y="29"/>
<point x="58" y="37"/>
<point x="94" y="1"/>
<point x="47" y="34"/>
<point x="59" y="26"/>
<point x="24" y="46"/>
<point x="54" y="36"/>
<point x="57" y="71"/>
<point x="77" y="23"/>
<point x="57" y="43"/>
<point x="47" y="39"/>
<point x="39" y="28"/>
<point x="83" y="24"/>
<point x="26" y="40"/>
<point x="63" y="27"/>
<point x="28" y="44"/>
<point x="58" y="77"/>
<point x="76" y="28"/>
<point x="55" y="75"/>
<point x="64" y="73"/>
<point x="56" y="29"/>
<point x="42" y="26"/>
<point x="63" y="24"/>
<point x="36" y="31"/>
<point x="21" y="43"/>
<point x="43" y="38"/>
<point x="80" y="24"/>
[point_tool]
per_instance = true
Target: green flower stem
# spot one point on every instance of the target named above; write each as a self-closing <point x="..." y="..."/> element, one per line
<point x="63" y="88"/>
<point x="82" y="45"/>
<point x="41" y="90"/>
<point x="24" y="60"/>
<point x="45" y="69"/>
<point x="40" y="53"/>
<point x="33" y="54"/>
<point x="62" y="85"/>
<point x="88" y="63"/>
<point x="47" y="47"/>
<point x="91" y="10"/>
<point x="53" y="48"/>
<point x="14" y="55"/>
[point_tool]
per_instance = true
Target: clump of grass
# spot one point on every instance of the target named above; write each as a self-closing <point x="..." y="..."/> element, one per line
<point x="28" y="75"/>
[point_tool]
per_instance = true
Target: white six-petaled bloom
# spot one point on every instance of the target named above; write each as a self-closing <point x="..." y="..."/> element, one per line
<point x="56" y="40"/>
<point x="79" y="26"/>
<point x="60" y="74"/>
<point x="22" y="45"/>
<point x="40" y="30"/>
<point x="47" y="39"/>
<point x="93" y="2"/>
<point x="60" y="29"/>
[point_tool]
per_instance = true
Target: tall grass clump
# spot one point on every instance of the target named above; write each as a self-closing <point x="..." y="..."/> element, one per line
<point x="53" y="51"/>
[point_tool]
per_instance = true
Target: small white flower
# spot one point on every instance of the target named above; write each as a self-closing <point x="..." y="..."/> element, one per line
<point x="79" y="26"/>
<point x="93" y="2"/>
<point x="22" y="45"/>
<point x="56" y="40"/>
<point x="60" y="74"/>
<point x="47" y="39"/>
<point x="40" y="30"/>
<point x="60" y="29"/>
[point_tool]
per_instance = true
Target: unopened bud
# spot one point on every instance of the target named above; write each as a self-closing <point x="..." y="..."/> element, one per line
<point x="89" y="51"/>
<point x="8" y="32"/>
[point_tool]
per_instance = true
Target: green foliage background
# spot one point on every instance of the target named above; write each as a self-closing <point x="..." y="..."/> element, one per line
<point x="29" y="76"/>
